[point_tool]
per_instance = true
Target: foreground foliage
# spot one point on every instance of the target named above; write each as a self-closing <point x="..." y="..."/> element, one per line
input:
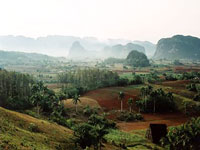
<point x="92" y="132"/>
<point x="184" y="137"/>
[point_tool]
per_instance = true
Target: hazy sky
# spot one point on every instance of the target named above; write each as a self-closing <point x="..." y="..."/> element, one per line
<point x="129" y="19"/>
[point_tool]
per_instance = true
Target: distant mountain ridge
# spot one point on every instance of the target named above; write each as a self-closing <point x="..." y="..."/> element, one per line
<point x="122" y="51"/>
<point x="11" y="57"/>
<point x="54" y="45"/>
<point x="150" y="48"/>
<point x="57" y="45"/>
<point x="77" y="51"/>
<point x="178" y="47"/>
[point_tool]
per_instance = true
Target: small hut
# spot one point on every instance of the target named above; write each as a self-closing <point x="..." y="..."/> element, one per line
<point x="156" y="132"/>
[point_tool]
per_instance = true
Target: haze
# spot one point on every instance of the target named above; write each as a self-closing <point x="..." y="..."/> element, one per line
<point x="129" y="19"/>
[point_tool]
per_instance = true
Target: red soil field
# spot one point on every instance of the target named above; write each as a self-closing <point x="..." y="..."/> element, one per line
<point x="178" y="84"/>
<point x="186" y="69"/>
<point x="130" y="71"/>
<point x="170" y="119"/>
<point x="108" y="97"/>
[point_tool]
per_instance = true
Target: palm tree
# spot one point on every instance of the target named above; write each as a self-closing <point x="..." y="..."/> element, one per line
<point x="121" y="97"/>
<point x="154" y="95"/>
<point x="130" y="103"/>
<point x="76" y="100"/>
<point x="142" y="92"/>
<point x="145" y="92"/>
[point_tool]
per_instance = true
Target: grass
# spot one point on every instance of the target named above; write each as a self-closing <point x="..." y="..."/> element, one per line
<point x="15" y="133"/>
<point x="134" y="140"/>
<point x="84" y="101"/>
<point x="128" y="75"/>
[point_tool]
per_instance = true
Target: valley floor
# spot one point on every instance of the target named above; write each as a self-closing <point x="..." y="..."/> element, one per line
<point x="171" y="119"/>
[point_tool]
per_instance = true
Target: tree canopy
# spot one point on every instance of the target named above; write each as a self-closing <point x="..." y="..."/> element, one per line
<point x="137" y="59"/>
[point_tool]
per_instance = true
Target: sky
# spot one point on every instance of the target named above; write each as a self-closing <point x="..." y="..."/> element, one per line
<point x="147" y="20"/>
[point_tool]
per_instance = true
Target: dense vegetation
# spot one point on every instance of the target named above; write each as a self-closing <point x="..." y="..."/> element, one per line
<point x="86" y="116"/>
<point x="92" y="132"/>
<point x="112" y="61"/>
<point x="137" y="59"/>
<point x="15" y="90"/>
<point x="20" y="58"/>
<point x="88" y="79"/>
<point x="178" y="47"/>
<point x="184" y="137"/>
<point x="155" y="100"/>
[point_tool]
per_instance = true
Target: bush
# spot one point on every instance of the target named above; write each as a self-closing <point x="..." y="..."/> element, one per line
<point x="193" y="87"/>
<point x="122" y="82"/>
<point x="137" y="79"/>
<point x="102" y="121"/>
<point x="87" y="111"/>
<point x="127" y="116"/>
<point x="84" y="135"/>
<point x="92" y="132"/>
<point x="197" y="97"/>
<point x="170" y="77"/>
<point x="31" y="113"/>
<point x="70" y="123"/>
<point x="184" y="137"/>
<point x="33" y="127"/>
<point x="138" y="116"/>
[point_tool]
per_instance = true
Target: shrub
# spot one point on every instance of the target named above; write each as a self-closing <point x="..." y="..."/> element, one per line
<point x="184" y="137"/>
<point x="102" y="121"/>
<point x="122" y="82"/>
<point x="137" y="79"/>
<point x="70" y="123"/>
<point x="33" y="127"/>
<point x="87" y="111"/>
<point x="92" y="132"/>
<point x="193" y="87"/>
<point x="127" y="116"/>
<point x="170" y="77"/>
<point x="32" y="113"/>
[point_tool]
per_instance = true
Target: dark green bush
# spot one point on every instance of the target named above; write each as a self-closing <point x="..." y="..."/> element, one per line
<point x="33" y="127"/>
<point x="88" y="111"/>
<point x="102" y="121"/>
<point x="127" y="116"/>
<point x="184" y="137"/>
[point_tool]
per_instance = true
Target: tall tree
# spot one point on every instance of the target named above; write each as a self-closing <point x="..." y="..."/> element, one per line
<point x="39" y="96"/>
<point x="121" y="98"/>
<point x="75" y="100"/>
<point x="130" y="103"/>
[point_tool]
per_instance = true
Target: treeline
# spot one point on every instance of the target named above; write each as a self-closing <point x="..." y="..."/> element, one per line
<point x="80" y="81"/>
<point x="89" y="78"/>
<point x="184" y="76"/>
<point x="155" y="100"/>
<point x="112" y="61"/>
<point x="15" y="89"/>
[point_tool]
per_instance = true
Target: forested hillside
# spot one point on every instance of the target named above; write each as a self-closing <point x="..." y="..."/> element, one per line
<point x="16" y="58"/>
<point x="15" y="89"/>
<point x="178" y="47"/>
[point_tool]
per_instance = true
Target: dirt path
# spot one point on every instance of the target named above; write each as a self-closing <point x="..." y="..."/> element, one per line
<point x="169" y="119"/>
